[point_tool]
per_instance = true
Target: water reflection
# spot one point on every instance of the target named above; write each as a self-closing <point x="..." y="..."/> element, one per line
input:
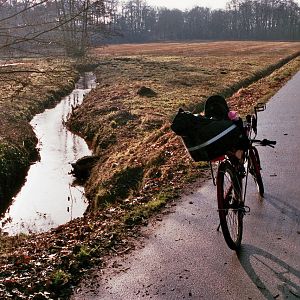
<point x="48" y="198"/>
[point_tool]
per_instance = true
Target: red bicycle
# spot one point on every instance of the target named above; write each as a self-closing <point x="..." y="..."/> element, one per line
<point x="232" y="180"/>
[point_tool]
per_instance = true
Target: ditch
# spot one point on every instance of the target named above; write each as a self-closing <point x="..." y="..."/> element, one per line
<point x="49" y="196"/>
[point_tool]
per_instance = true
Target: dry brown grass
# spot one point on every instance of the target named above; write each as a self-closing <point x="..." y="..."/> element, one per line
<point x="26" y="86"/>
<point x="198" y="49"/>
<point x="183" y="74"/>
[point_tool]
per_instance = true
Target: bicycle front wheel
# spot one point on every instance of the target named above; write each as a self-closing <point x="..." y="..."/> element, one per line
<point x="230" y="204"/>
<point x="254" y="168"/>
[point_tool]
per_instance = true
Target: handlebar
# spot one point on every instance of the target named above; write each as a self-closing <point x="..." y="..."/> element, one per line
<point x="259" y="107"/>
<point x="252" y="119"/>
<point x="265" y="142"/>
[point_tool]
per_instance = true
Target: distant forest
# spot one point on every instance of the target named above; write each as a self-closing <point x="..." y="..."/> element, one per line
<point x="241" y="20"/>
<point x="74" y="25"/>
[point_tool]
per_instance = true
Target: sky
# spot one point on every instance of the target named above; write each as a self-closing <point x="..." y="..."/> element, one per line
<point x="183" y="4"/>
<point x="188" y="4"/>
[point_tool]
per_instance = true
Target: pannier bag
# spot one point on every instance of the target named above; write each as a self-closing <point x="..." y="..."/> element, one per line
<point x="205" y="138"/>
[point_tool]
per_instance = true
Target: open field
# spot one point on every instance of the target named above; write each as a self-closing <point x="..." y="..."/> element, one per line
<point x="142" y="164"/>
<point x="198" y="49"/>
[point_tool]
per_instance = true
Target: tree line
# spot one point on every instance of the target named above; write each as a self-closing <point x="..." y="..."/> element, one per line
<point x="72" y="26"/>
<point x="241" y="20"/>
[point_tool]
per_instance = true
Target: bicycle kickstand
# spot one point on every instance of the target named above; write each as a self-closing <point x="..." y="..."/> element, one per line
<point x="219" y="227"/>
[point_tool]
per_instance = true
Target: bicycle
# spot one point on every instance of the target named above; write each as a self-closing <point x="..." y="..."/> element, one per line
<point x="232" y="179"/>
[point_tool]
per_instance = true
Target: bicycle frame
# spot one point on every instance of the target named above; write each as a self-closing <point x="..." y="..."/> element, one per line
<point x="250" y="128"/>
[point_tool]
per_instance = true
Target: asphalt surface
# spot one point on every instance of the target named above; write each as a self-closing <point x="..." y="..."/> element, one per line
<point x="184" y="257"/>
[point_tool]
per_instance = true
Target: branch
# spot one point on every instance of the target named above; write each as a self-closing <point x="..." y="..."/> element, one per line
<point x="48" y="30"/>
<point x="23" y="10"/>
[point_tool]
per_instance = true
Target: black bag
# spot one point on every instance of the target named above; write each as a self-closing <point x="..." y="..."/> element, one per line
<point x="207" y="139"/>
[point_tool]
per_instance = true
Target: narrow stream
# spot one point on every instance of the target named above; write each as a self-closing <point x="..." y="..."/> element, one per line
<point x="48" y="197"/>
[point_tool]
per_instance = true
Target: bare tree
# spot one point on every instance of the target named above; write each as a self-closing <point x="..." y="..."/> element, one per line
<point x="44" y="25"/>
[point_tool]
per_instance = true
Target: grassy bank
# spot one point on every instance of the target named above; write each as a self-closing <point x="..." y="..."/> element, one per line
<point x="142" y="165"/>
<point x="27" y="87"/>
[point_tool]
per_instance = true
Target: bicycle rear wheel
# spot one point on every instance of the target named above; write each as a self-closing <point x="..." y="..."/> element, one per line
<point x="230" y="204"/>
<point x="254" y="169"/>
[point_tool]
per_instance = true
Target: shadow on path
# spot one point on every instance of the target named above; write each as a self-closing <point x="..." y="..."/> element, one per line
<point x="272" y="276"/>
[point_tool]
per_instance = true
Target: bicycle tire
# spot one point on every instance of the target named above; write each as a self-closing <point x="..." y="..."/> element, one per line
<point x="230" y="204"/>
<point x="254" y="168"/>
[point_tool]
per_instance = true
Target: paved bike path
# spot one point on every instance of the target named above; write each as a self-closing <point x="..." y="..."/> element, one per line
<point x="184" y="257"/>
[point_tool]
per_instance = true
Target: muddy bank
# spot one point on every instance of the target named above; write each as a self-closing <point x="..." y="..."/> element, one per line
<point x="27" y="88"/>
